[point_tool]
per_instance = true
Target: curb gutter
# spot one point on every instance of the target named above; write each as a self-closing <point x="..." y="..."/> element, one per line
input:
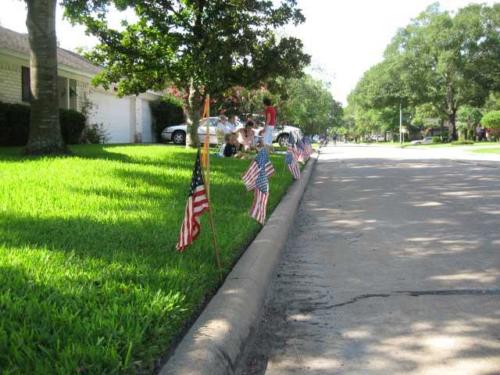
<point x="216" y="341"/>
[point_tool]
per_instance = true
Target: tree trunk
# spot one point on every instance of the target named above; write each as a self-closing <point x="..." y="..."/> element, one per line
<point x="45" y="130"/>
<point x="193" y="114"/>
<point x="468" y="132"/>
<point x="452" y="128"/>
<point x="451" y="111"/>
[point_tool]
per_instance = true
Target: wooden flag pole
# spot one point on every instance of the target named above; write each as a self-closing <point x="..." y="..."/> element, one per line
<point x="214" y="240"/>
<point x="212" y="227"/>
<point x="207" y="148"/>
<point x="206" y="113"/>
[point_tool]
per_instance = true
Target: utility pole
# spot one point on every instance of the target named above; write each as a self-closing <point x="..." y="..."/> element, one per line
<point x="400" y="123"/>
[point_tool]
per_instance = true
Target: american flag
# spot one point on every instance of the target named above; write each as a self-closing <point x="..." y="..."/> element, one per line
<point x="298" y="154"/>
<point x="196" y="205"/>
<point x="256" y="178"/>
<point x="307" y="147"/>
<point x="291" y="161"/>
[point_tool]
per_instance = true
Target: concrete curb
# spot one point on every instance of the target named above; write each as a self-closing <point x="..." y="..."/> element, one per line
<point x="216" y="341"/>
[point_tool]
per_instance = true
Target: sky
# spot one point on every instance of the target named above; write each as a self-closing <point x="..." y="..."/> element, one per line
<point x="344" y="37"/>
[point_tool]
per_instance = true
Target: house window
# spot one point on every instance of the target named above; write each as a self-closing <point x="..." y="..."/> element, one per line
<point x="26" y="84"/>
<point x="66" y="88"/>
<point x="62" y="88"/>
<point x="72" y="95"/>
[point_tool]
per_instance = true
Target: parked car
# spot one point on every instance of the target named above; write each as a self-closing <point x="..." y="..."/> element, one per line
<point x="424" y="141"/>
<point x="281" y="133"/>
<point x="177" y="133"/>
<point x="377" y="138"/>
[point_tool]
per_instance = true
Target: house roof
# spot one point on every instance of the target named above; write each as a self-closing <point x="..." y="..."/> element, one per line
<point x="18" y="42"/>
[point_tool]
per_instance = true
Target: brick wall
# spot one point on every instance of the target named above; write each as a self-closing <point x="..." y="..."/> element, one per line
<point x="10" y="83"/>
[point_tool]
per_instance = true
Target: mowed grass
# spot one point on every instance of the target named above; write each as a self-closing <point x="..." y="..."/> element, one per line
<point x="90" y="281"/>
<point x="490" y="150"/>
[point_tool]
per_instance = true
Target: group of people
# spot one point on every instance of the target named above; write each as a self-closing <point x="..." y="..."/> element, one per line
<point x="238" y="140"/>
<point x="481" y="133"/>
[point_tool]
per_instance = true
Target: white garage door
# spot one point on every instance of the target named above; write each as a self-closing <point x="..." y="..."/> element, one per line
<point x="147" y="131"/>
<point x="114" y="114"/>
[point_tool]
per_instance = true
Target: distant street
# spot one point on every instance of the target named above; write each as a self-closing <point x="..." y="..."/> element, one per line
<point x="392" y="267"/>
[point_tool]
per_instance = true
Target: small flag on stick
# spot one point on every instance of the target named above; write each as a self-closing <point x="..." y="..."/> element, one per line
<point x="298" y="155"/>
<point x="196" y="205"/>
<point x="206" y="107"/>
<point x="204" y="155"/>
<point x="291" y="161"/>
<point x="307" y="147"/>
<point x="256" y="178"/>
<point x="205" y="162"/>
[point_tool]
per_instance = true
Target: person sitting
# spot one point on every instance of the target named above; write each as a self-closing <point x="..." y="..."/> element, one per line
<point x="223" y="128"/>
<point x="231" y="146"/>
<point x="234" y="123"/>
<point x="246" y="136"/>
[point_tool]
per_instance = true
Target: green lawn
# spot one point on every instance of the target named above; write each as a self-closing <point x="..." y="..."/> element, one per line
<point x="430" y="145"/>
<point x="490" y="150"/>
<point x="89" y="279"/>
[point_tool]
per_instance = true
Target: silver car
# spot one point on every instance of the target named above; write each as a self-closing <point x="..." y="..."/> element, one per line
<point x="177" y="133"/>
<point x="424" y="141"/>
<point x="282" y="132"/>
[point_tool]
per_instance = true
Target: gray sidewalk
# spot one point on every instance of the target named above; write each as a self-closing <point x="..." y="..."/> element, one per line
<point x="393" y="267"/>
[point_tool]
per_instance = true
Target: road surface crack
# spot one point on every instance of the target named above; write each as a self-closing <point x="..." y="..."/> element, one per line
<point x="411" y="293"/>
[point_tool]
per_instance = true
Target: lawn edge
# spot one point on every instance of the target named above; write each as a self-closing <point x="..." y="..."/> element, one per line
<point x="216" y="341"/>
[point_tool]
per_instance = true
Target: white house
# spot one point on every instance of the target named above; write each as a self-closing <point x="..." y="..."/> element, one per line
<point x="125" y="120"/>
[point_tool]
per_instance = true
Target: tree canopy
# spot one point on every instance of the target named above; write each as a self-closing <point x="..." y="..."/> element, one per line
<point x="440" y="59"/>
<point x="304" y="102"/>
<point x="491" y="120"/>
<point x="199" y="46"/>
<point x="309" y="104"/>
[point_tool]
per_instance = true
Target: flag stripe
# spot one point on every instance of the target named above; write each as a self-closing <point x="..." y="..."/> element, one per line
<point x="256" y="178"/>
<point x="258" y="210"/>
<point x="291" y="161"/>
<point x="196" y="205"/>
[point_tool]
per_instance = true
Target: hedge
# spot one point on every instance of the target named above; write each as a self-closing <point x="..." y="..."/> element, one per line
<point x="491" y="120"/>
<point x="15" y="120"/>
<point x="167" y="111"/>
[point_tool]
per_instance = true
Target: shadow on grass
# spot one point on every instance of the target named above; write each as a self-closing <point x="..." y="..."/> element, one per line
<point x="82" y="292"/>
<point x="383" y="226"/>
<point x="88" y="326"/>
<point x="107" y="152"/>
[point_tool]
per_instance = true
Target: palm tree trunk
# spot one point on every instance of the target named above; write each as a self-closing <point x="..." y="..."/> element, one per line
<point x="45" y="130"/>
<point x="193" y="115"/>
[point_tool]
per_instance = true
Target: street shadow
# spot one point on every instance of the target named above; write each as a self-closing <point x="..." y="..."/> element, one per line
<point x="393" y="266"/>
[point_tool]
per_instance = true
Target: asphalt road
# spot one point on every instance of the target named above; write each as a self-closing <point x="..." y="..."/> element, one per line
<point x="393" y="267"/>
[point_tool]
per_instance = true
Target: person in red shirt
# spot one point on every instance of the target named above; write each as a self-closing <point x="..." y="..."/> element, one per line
<point x="270" y="115"/>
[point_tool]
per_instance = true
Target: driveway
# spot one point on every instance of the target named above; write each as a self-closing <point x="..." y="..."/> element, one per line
<point x="392" y="267"/>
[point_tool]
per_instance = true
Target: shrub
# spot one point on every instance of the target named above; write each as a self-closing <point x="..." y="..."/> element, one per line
<point x="167" y="111"/>
<point x="491" y="120"/>
<point x="494" y="134"/>
<point x="72" y="125"/>
<point x="94" y="133"/>
<point x="437" y="140"/>
<point x="15" y="122"/>
<point x="462" y="142"/>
